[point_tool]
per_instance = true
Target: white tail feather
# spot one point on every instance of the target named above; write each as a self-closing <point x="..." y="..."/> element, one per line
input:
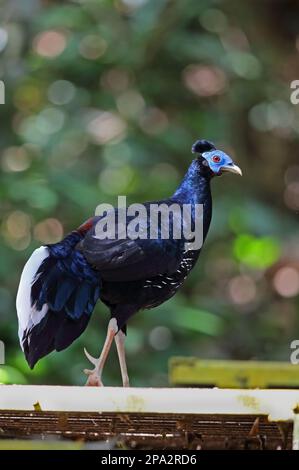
<point x="28" y="315"/>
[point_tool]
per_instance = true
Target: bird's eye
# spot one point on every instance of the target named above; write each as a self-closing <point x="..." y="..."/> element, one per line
<point x="216" y="159"/>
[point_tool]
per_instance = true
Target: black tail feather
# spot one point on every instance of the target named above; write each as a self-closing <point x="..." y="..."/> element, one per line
<point x="70" y="288"/>
<point x="56" y="331"/>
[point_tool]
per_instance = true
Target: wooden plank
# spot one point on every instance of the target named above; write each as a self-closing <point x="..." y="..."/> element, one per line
<point x="142" y="431"/>
<point x="277" y="404"/>
<point x="296" y="429"/>
<point x="232" y="374"/>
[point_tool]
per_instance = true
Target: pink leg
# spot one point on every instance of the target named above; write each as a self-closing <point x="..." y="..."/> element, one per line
<point x="95" y="375"/>
<point x="120" y="345"/>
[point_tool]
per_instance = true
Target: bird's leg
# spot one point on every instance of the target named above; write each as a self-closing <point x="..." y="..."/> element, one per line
<point x="120" y="346"/>
<point x="95" y="375"/>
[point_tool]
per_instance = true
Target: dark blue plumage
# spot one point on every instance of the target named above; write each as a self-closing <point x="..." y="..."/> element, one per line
<point x="70" y="287"/>
<point x="126" y="274"/>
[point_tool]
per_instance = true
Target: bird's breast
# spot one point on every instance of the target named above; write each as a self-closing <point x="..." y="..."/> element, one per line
<point x="162" y="287"/>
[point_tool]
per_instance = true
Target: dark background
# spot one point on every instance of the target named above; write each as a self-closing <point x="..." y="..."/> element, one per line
<point x="106" y="98"/>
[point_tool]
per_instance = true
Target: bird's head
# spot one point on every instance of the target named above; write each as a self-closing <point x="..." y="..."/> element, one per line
<point x="214" y="161"/>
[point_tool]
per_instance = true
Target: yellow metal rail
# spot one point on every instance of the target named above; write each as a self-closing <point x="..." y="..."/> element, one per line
<point x="232" y="374"/>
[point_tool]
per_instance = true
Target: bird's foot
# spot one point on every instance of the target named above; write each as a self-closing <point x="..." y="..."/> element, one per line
<point x="94" y="375"/>
<point x="94" y="378"/>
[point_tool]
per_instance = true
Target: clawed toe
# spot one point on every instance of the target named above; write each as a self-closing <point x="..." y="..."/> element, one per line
<point x="94" y="380"/>
<point x="94" y="375"/>
<point x="92" y="359"/>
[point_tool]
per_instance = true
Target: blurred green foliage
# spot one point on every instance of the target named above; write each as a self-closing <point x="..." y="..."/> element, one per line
<point x="105" y="98"/>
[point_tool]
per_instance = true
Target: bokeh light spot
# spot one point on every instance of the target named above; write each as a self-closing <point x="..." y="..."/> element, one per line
<point x="291" y="195"/>
<point x="17" y="230"/>
<point x="213" y="20"/>
<point x="27" y="97"/>
<point x="153" y="121"/>
<point x="259" y="253"/>
<point x="116" y="180"/>
<point x="115" y="80"/>
<point x="15" y="159"/>
<point x="50" y="43"/>
<point x="286" y="281"/>
<point x="105" y="126"/>
<point x="130" y="103"/>
<point x="3" y="38"/>
<point x="48" y="231"/>
<point x="92" y="46"/>
<point x="61" y="92"/>
<point x="160" y="338"/>
<point x="205" y="80"/>
<point x="242" y="290"/>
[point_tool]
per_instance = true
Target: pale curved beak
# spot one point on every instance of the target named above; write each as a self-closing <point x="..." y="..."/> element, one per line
<point x="232" y="168"/>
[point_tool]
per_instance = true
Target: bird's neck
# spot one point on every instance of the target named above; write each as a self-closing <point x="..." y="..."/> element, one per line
<point x="195" y="187"/>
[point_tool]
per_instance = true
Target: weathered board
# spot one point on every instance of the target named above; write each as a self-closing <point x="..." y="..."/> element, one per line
<point x="296" y="430"/>
<point x="141" y="431"/>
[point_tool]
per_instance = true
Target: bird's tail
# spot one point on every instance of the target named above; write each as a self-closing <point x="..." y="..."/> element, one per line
<point x="56" y="296"/>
